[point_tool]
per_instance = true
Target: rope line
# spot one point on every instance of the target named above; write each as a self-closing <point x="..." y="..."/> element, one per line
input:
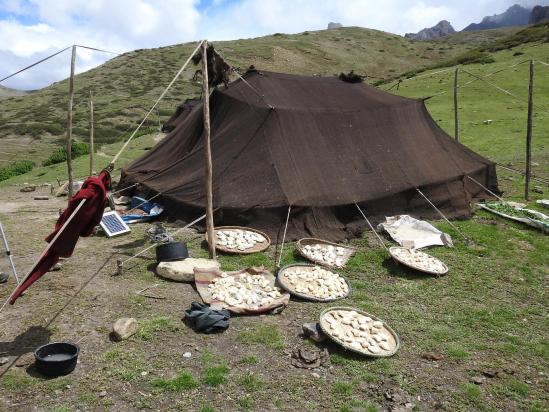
<point x="157" y="101"/>
<point x="284" y="237"/>
<point x="126" y="188"/>
<point x="371" y="227"/>
<point x="418" y="77"/>
<point x="523" y="173"/>
<point x="111" y="52"/>
<point x="35" y="64"/>
<point x="461" y="86"/>
<point x="442" y="214"/>
<point x="169" y="234"/>
<point x="485" y="188"/>
<point x="262" y="97"/>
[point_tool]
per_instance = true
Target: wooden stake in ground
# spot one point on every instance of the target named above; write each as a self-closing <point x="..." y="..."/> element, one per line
<point x="69" y="121"/>
<point x="529" y="133"/>
<point x="456" y="120"/>
<point x="208" y="152"/>
<point x="91" y="133"/>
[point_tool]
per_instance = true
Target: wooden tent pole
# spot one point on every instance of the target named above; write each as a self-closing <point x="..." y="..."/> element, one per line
<point x="69" y="121"/>
<point x="529" y="133"/>
<point x="91" y="133"/>
<point x="456" y="120"/>
<point x="208" y="152"/>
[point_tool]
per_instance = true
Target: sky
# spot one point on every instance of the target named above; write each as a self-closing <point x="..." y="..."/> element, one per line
<point x="33" y="29"/>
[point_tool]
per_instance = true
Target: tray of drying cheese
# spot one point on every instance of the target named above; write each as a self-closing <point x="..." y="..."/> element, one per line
<point x="418" y="260"/>
<point x="325" y="253"/>
<point x="250" y="291"/>
<point x="240" y="240"/>
<point x="359" y="332"/>
<point x="312" y="282"/>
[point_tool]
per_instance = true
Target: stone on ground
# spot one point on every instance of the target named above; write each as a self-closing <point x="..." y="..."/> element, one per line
<point x="123" y="328"/>
<point x="183" y="270"/>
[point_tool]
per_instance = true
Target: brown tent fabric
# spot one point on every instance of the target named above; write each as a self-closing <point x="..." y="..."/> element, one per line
<point x="180" y="113"/>
<point x="318" y="144"/>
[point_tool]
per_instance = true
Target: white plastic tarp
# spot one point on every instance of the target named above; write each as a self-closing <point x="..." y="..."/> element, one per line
<point x="413" y="233"/>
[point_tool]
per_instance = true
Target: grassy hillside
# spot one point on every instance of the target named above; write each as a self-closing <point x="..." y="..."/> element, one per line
<point x="126" y="86"/>
<point x="7" y="92"/>
<point x="475" y="38"/>
<point x="503" y="139"/>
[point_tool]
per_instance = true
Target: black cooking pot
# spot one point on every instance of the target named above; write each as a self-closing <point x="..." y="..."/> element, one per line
<point x="56" y="359"/>
<point x="171" y="251"/>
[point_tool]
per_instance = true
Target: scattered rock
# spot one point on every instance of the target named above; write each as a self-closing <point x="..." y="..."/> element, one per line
<point x="490" y="373"/>
<point x="102" y="394"/>
<point x="144" y="373"/>
<point x="4" y="277"/>
<point x="27" y="189"/>
<point x="187" y="355"/>
<point x="123" y="328"/>
<point x="183" y="270"/>
<point x="41" y="197"/>
<point x="478" y="380"/>
<point x="487" y="122"/>
<point x="537" y="189"/>
<point x="3" y="361"/>
<point x="432" y="356"/>
<point x="310" y="358"/>
<point x="315" y="375"/>
<point x="56" y="267"/>
<point x="313" y="331"/>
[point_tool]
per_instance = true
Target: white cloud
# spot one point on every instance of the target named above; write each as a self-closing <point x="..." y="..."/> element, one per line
<point x="32" y="29"/>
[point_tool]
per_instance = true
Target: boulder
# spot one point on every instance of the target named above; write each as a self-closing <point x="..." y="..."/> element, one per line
<point x="333" y="25"/>
<point x="183" y="270"/>
<point x="123" y="328"/>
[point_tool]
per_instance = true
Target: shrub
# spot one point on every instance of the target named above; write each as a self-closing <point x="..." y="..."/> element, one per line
<point x="60" y="155"/>
<point x="16" y="168"/>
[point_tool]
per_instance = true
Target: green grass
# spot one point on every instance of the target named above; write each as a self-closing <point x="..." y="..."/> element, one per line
<point x="342" y="389"/>
<point x="17" y="168"/>
<point x="14" y="380"/>
<point x="248" y="360"/>
<point x="251" y="382"/>
<point x="267" y="335"/>
<point x="182" y="382"/>
<point x="150" y="327"/>
<point x="215" y="375"/>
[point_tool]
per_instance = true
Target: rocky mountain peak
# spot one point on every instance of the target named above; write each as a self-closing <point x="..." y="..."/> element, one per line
<point x="441" y="29"/>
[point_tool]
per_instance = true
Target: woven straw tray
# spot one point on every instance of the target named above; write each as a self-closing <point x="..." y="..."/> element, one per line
<point x="430" y="272"/>
<point x="394" y="341"/>
<point x="301" y="243"/>
<point x="284" y="283"/>
<point x="259" y="247"/>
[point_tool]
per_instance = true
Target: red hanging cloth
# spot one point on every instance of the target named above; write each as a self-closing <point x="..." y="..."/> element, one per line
<point x="94" y="191"/>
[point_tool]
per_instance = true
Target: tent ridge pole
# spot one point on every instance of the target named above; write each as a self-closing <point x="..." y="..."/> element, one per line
<point x="69" y="123"/>
<point x="208" y="152"/>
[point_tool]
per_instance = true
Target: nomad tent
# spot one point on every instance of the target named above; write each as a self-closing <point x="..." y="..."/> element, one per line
<point x="318" y="144"/>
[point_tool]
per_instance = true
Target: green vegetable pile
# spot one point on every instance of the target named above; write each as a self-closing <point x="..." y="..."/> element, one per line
<point x="511" y="211"/>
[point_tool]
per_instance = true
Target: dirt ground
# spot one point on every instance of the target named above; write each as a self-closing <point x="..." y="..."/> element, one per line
<point x="248" y="367"/>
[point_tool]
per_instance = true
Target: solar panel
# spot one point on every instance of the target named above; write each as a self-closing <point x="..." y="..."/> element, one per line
<point x="113" y="225"/>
